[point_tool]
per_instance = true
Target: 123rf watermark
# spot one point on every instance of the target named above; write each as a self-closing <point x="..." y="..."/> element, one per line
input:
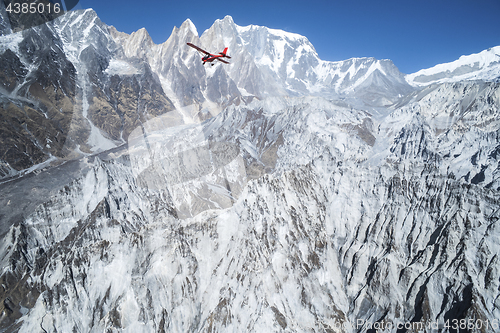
<point x="417" y="326"/>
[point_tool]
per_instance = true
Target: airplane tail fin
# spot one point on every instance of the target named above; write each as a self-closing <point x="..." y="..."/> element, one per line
<point x="224" y="53"/>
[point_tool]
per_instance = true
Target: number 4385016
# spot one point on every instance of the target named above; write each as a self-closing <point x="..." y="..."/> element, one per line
<point x="471" y="324"/>
<point x="32" y="8"/>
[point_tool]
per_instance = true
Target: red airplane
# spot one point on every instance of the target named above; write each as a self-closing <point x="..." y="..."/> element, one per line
<point x="211" y="57"/>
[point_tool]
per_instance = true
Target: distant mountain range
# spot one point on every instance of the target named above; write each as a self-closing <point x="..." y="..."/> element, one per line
<point x="142" y="191"/>
<point x="90" y="85"/>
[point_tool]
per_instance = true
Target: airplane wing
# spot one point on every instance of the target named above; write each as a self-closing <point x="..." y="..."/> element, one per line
<point x="197" y="48"/>
<point x="222" y="60"/>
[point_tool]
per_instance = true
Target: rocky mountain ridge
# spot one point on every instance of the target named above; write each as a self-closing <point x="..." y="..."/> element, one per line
<point x="104" y="69"/>
<point x="112" y="82"/>
<point x="484" y="66"/>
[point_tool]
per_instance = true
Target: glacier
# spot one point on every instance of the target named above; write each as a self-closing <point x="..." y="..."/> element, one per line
<point x="282" y="193"/>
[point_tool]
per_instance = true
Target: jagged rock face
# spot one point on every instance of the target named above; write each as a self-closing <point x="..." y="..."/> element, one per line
<point x="5" y="27"/>
<point x="456" y="126"/>
<point x="124" y="103"/>
<point x="13" y="70"/>
<point x="177" y="233"/>
<point x="40" y="98"/>
<point x="64" y="95"/>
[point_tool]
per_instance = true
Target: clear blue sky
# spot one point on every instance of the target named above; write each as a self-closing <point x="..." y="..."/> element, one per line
<point x="415" y="34"/>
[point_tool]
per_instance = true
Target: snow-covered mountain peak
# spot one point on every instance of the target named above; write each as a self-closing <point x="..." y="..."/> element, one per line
<point x="228" y="19"/>
<point x="221" y="34"/>
<point x="275" y="51"/>
<point x="260" y="40"/>
<point x="291" y="64"/>
<point x="484" y="66"/>
<point x="138" y="42"/>
<point x="141" y="34"/>
<point x="276" y="32"/>
<point x="189" y="26"/>
<point x="83" y="17"/>
<point x="134" y="45"/>
<point x="185" y="32"/>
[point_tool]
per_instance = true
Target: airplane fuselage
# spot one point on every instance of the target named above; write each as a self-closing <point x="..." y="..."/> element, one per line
<point x="209" y="57"/>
